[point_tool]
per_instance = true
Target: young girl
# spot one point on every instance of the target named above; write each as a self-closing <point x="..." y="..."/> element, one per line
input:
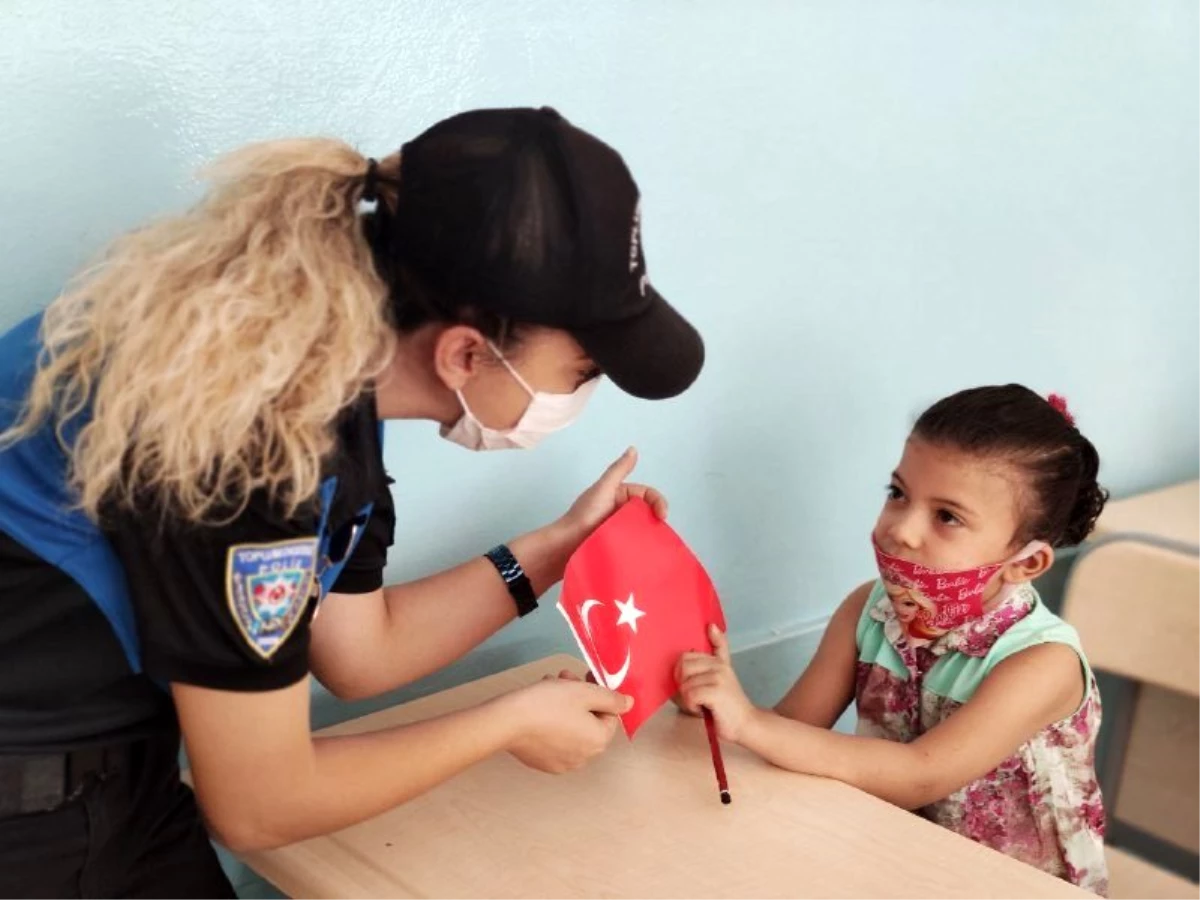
<point x="976" y="705"/>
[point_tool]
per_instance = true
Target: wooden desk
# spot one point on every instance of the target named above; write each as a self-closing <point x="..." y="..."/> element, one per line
<point x="643" y="820"/>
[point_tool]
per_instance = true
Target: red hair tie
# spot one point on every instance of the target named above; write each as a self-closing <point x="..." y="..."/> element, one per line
<point x="1059" y="402"/>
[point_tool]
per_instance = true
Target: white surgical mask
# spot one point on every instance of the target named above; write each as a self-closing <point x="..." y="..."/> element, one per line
<point x="545" y="414"/>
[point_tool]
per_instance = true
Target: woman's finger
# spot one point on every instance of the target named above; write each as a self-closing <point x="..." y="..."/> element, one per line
<point x="610" y="723"/>
<point x="615" y="475"/>
<point x="654" y="498"/>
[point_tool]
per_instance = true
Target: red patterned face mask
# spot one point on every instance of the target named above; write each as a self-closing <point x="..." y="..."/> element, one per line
<point x="928" y="603"/>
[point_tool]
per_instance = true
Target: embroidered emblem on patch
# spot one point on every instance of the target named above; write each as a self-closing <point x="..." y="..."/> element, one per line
<point x="267" y="587"/>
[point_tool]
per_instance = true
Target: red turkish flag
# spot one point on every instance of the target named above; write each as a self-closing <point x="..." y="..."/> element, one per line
<point x="636" y="598"/>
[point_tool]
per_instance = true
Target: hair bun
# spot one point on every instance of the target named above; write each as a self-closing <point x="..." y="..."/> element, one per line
<point x="1059" y="402"/>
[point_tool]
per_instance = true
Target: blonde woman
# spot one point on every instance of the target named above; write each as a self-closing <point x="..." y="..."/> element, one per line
<point x="191" y="470"/>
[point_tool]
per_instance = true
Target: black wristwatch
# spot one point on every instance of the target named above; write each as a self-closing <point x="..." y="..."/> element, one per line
<point x="515" y="578"/>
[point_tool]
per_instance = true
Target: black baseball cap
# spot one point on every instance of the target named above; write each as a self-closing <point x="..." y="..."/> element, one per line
<point x="519" y="213"/>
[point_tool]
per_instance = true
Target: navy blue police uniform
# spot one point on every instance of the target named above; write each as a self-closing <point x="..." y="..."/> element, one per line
<point x="96" y="619"/>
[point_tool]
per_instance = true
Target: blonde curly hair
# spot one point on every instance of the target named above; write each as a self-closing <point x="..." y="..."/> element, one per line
<point x="210" y="353"/>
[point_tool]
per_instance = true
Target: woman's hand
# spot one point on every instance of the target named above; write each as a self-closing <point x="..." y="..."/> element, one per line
<point x="563" y="722"/>
<point x="606" y="496"/>
<point x="709" y="681"/>
<point x="568" y="675"/>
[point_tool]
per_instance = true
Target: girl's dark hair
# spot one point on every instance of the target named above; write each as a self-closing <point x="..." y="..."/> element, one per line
<point x="1060" y="465"/>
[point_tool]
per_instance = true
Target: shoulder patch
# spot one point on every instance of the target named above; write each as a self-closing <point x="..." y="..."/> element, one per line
<point x="267" y="587"/>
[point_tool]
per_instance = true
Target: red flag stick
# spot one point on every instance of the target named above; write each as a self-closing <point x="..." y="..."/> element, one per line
<point x="718" y="763"/>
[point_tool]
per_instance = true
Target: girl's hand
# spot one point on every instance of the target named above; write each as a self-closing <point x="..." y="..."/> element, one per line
<point x="677" y="699"/>
<point x="709" y="681"/>
<point x="606" y="496"/>
<point x="562" y="722"/>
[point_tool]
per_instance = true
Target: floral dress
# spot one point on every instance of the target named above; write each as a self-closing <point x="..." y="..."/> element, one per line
<point x="1042" y="805"/>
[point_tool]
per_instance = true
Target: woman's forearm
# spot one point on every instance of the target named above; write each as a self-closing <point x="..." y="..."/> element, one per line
<point x="365" y="645"/>
<point x="349" y="779"/>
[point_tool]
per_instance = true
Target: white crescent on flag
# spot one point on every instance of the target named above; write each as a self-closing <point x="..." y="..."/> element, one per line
<point x="628" y="615"/>
<point x="612" y="680"/>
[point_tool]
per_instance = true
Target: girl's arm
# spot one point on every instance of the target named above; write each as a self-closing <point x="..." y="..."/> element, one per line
<point x="1022" y="695"/>
<point x="826" y="688"/>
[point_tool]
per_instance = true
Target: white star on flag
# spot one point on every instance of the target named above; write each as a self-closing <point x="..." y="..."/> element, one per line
<point x="629" y="613"/>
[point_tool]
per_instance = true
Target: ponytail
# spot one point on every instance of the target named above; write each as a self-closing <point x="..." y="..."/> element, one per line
<point x="207" y="355"/>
